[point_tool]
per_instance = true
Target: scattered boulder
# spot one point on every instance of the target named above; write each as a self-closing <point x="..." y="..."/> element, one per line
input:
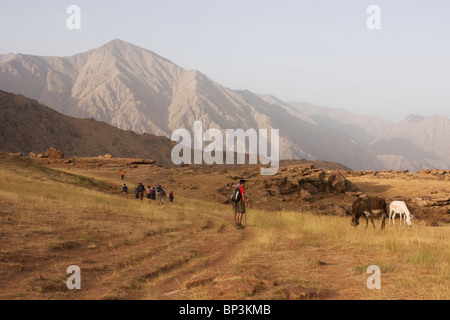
<point x="310" y="188"/>
<point x="337" y="182"/>
<point x="305" y="195"/>
<point x="105" y="156"/>
<point x="53" y="153"/>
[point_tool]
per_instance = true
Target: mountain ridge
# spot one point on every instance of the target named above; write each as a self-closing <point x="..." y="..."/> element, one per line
<point x="133" y="88"/>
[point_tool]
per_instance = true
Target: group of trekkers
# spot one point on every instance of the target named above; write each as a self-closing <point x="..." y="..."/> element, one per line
<point x="158" y="194"/>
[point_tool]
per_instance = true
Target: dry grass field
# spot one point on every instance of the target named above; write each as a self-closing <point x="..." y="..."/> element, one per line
<point x="52" y="218"/>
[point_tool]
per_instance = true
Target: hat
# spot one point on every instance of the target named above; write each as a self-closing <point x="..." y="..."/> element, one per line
<point x="242" y="181"/>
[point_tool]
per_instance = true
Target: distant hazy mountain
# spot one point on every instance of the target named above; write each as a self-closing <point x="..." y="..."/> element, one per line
<point x="135" y="89"/>
<point x="415" y="143"/>
<point x="28" y="126"/>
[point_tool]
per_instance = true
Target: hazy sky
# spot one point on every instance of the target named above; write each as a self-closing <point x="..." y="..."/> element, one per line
<point x="317" y="51"/>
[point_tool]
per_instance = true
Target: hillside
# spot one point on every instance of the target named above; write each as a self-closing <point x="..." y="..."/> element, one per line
<point x="28" y="126"/>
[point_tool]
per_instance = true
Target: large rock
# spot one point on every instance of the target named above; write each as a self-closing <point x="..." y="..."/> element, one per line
<point x="53" y="153"/>
<point x="305" y="195"/>
<point x="339" y="184"/>
<point x="314" y="176"/>
<point x="310" y="188"/>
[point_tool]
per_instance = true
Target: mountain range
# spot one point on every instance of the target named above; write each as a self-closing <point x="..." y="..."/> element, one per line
<point x="135" y="89"/>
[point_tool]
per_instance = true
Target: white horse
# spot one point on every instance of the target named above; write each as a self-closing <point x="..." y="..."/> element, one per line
<point x="400" y="208"/>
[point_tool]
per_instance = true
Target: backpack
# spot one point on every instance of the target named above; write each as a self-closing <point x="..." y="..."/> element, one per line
<point x="159" y="190"/>
<point x="171" y="196"/>
<point x="236" y="196"/>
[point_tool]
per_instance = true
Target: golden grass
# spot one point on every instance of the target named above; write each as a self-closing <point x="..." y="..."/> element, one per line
<point x="419" y="256"/>
<point x="402" y="185"/>
<point x="69" y="221"/>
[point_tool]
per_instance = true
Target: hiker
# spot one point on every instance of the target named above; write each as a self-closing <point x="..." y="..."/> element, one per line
<point x="141" y="190"/>
<point x="125" y="191"/>
<point x="122" y="174"/>
<point x="159" y="195"/>
<point x="241" y="204"/>
<point x="171" y="196"/>
<point x="233" y="202"/>
<point x="153" y="194"/>
<point x="149" y="195"/>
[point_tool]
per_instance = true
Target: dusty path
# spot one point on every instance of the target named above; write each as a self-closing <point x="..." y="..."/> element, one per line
<point x="151" y="267"/>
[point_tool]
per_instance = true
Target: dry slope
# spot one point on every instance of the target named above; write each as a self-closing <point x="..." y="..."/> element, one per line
<point x="28" y="126"/>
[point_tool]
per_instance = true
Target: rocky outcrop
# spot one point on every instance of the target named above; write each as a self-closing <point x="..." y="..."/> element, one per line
<point x="51" y="153"/>
<point x="306" y="180"/>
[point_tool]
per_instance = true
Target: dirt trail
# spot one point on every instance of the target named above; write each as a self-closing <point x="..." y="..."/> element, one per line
<point x="161" y="272"/>
<point x="150" y="268"/>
